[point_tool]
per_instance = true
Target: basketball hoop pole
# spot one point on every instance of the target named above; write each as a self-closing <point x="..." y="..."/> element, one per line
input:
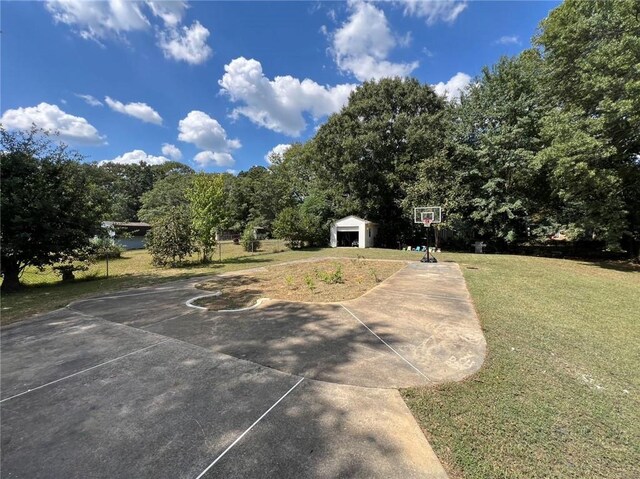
<point x="427" y="257"/>
<point x="427" y="215"/>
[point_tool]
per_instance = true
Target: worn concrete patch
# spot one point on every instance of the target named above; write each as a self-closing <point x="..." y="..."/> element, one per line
<point x="425" y="313"/>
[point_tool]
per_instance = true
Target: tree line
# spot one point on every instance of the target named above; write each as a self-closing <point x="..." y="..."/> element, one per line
<point x="543" y="143"/>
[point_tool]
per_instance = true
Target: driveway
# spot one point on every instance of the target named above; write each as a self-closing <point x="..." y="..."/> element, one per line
<point x="139" y="384"/>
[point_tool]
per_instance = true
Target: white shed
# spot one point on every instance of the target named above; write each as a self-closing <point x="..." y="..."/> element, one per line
<point x="353" y="231"/>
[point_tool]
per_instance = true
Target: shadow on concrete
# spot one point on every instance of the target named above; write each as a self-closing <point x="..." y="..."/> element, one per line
<point x="321" y="341"/>
<point x="329" y="431"/>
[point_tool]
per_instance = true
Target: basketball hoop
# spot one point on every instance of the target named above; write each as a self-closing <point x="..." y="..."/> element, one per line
<point x="427" y="215"/>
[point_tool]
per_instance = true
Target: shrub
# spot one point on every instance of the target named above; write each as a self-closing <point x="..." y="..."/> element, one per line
<point x="78" y="260"/>
<point x="66" y="271"/>
<point x="336" y="277"/>
<point x="102" y="246"/>
<point x="249" y="241"/>
<point x="309" y="282"/>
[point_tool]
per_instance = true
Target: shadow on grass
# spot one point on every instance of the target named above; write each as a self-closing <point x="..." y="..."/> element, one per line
<point x="622" y="266"/>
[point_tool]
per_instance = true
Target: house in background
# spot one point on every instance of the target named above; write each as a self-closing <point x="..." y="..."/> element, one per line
<point x="353" y="231"/>
<point x="129" y="235"/>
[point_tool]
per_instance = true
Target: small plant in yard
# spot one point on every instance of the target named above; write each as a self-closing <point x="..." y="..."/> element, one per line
<point x="375" y="275"/>
<point x="66" y="271"/>
<point x="336" y="277"/>
<point x="289" y="280"/>
<point x="309" y="282"/>
<point x="102" y="247"/>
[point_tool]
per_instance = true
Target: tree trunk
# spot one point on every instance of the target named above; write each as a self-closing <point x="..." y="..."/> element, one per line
<point x="11" y="275"/>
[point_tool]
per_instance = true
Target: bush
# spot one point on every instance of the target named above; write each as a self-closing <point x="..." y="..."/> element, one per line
<point x="297" y="226"/>
<point x="101" y="247"/>
<point x="335" y="277"/>
<point x="66" y="271"/>
<point x="249" y="241"/>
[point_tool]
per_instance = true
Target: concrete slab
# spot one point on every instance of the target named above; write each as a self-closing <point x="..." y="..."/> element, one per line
<point x="164" y="412"/>
<point x="59" y="344"/>
<point x="425" y="313"/>
<point x="320" y="341"/>
<point x="427" y="329"/>
<point x="318" y="433"/>
<point x="182" y="387"/>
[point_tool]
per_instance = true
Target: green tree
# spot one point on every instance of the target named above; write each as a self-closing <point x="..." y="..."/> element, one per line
<point x="50" y="209"/>
<point x="171" y="238"/>
<point x="365" y="157"/>
<point x="299" y="225"/>
<point x="591" y="54"/>
<point x="208" y="205"/>
<point x="488" y="182"/>
<point x="255" y="197"/>
<point x="126" y="185"/>
<point x="167" y="193"/>
<point x="288" y="226"/>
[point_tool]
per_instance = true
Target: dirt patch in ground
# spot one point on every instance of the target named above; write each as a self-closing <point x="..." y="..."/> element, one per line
<point x="318" y="281"/>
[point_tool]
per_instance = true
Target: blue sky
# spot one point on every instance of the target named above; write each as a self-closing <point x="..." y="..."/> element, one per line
<point x="218" y="85"/>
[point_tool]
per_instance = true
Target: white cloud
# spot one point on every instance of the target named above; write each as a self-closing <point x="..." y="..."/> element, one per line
<point x="363" y="43"/>
<point x="209" y="158"/>
<point x="279" y="104"/>
<point x="188" y="44"/>
<point x="138" y="110"/>
<point x="137" y="156"/>
<point x="96" y="20"/>
<point x="170" y="12"/>
<point x="73" y="129"/>
<point x="89" y="99"/>
<point x="508" y="40"/>
<point x="205" y="132"/>
<point x="277" y="151"/>
<point x="454" y="87"/>
<point x="171" y="151"/>
<point x="434" y="10"/>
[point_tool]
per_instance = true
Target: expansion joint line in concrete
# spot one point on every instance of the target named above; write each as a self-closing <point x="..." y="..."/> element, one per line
<point x="387" y="344"/>
<point x="248" y="429"/>
<point x="83" y="371"/>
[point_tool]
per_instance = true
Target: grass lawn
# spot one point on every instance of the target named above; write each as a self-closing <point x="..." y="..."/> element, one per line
<point x="317" y="281"/>
<point x="559" y="393"/>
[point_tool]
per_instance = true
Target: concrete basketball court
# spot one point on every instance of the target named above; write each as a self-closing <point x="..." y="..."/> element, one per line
<point x="139" y="384"/>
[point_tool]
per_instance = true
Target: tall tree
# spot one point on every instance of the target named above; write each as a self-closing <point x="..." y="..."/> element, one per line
<point x="208" y="203"/>
<point x="167" y="192"/>
<point x="366" y="156"/>
<point x="591" y="55"/>
<point x="50" y="208"/>
<point x="493" y="187"/>
<point x="256" y="196"/>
